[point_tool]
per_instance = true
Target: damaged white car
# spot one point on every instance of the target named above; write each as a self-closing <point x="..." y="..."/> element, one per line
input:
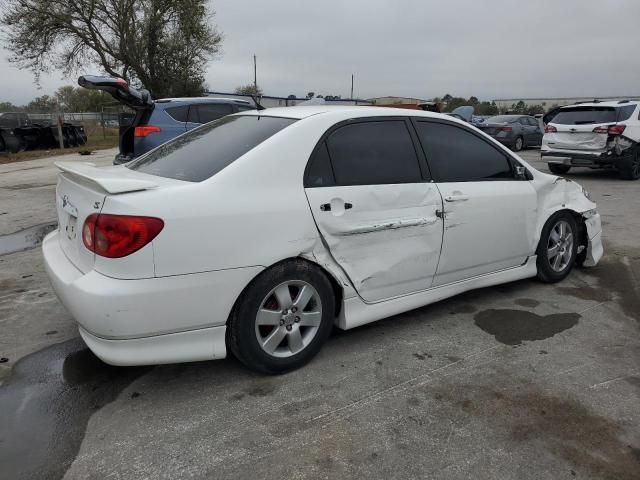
<point x="260" y="231"/>
<point x="594" y="135"/>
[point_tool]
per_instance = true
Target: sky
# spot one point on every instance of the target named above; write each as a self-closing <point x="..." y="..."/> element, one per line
<point x="422" y="48"/>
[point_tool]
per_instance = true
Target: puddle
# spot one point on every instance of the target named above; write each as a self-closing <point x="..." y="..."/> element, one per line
<point x="25" y="239"/>
<point x="512" y="327"/>
<point x="46" y="403"/>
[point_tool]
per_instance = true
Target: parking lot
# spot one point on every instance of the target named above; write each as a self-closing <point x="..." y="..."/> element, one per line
<point x="524" y="380"/>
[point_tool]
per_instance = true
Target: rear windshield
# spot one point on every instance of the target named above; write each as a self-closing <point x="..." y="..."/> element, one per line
<point x="501" y="119"/>
<point x="591" y="115"/>
<point x="204" y="151"/>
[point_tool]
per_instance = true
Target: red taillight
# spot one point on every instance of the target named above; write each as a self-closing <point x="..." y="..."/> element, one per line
<point x="550" y="129"/>
<point x="610" y="129"/>
<point x="505" y="129"/>
<point x="144" y="130"/>
<point x="116" y="236"/>
<point x="616" y="129"/>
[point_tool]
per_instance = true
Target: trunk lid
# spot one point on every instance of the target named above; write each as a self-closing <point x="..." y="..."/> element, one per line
<point x="491" y="128"/>
<point x="576" y="137"/>
<point x="81" y="191"/>
<point x="138" y="100"/>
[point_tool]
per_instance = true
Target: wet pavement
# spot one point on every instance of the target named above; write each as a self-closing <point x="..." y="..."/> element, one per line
<point x="45" y="405"/>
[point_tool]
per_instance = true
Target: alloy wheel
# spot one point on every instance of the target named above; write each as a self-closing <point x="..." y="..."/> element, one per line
<point x="560" y="246"/>
<point x="288" y="318"/>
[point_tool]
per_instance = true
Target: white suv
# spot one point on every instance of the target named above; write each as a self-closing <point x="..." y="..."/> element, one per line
<point x="594" y="135"/>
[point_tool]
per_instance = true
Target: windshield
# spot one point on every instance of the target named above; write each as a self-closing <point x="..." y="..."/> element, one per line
<point x="204" y="151"/>
<point x="501" y="119"/>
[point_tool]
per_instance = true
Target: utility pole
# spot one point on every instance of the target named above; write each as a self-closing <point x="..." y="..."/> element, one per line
<point x="352" y="86"/>
<point x="255" y="75"/>
<point x="60" y="120"/>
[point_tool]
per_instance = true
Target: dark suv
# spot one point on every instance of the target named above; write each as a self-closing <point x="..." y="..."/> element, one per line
<point x="155" y="122"/>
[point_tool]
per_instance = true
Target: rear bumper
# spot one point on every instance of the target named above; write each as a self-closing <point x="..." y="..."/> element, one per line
<point x="195" y="345"/>
<point x="576" y="158"/>
<point x="147" y="321"/>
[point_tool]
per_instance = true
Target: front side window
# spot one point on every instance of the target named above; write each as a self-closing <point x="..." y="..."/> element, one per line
<point x="204" y="151"/>
<point x="373" y="153"/>
<point x="457" y="155"/>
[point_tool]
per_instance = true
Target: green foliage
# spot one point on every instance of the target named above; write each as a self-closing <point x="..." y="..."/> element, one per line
<point x="162" y="45"/>
<point x="249" y="89"/>
<point x="42" y="104"/>
<point x="78" y="99"/>
<point x="9" y="107"/>
<point x="522" y="108"/>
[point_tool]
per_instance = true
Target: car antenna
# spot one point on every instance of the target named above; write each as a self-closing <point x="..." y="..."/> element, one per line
<point x="258" y="106"/>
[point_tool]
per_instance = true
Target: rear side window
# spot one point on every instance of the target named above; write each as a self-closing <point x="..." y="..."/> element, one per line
<point x="179" y="114"/>
<point x="457" y="155"/>
<point x="625" y="112"/>
<point x="204" y="151"/>
<point x="213" y="111"/>
<point x="319" y="172"/>
<point x="373" y="153"/>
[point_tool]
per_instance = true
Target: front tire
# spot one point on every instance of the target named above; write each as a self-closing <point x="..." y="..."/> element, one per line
<point x="557" y="248"/>
<point x="558" y="169"/>
<point x="283" y="318"/>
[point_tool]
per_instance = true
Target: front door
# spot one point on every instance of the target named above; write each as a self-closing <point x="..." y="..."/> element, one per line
<point x="373" y="203"/>
<point x="490" y="211"/>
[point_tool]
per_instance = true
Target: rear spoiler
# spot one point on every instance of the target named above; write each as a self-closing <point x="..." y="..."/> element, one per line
<point x="109" y="181"/>
<point x="119" y="89"/>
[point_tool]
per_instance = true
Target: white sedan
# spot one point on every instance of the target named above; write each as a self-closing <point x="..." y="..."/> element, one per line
<point x="258" y="232"/>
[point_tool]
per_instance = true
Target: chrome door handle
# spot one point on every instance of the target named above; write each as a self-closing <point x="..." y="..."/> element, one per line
<point x="326" y="207"/>
<point x="456" y="198"/>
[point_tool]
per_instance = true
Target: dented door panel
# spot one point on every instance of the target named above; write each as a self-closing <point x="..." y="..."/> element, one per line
<point x="388" y="239"/>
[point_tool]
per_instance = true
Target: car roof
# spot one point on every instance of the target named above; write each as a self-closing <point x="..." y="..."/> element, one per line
<point x="202" y="100"/>
<point x="345" y="112"/>
<point x="613" y="103"/>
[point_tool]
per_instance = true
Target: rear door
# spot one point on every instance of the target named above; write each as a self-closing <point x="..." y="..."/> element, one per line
<point x="371" y="198"/>
<point x="489" y="213"/>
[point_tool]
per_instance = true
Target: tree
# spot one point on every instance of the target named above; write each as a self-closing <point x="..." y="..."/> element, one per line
<point x="291" y="97"/>
<point x="249" y="89"/>
<point x="162" y="45"/>
<point x="310" y="94"/>
<point x="43" y="104"/>
<point x="535" y="109"/>
<point x="8" y="107"/>
<point x="77" y="99"/>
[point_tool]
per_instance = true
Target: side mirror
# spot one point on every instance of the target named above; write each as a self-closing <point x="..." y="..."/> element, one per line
<point x="521" y="172"/>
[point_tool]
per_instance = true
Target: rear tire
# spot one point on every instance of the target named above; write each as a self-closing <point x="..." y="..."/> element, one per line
<point x="558" y="169"/>
<point x="557" y="248"/>
<point x="518" y="144"/>
<point x="629" y="167"/>
<point x="283" y="318"/>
